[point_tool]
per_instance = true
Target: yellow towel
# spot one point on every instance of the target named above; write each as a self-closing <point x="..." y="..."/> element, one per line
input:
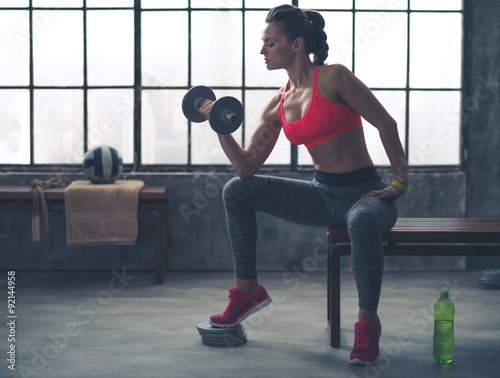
<point x="102" y="213"/>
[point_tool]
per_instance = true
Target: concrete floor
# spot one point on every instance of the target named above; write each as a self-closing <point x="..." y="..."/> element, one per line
<point x="119" y="324"/>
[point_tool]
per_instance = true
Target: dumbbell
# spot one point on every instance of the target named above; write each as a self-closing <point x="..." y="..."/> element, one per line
<point x="226" y="113"/>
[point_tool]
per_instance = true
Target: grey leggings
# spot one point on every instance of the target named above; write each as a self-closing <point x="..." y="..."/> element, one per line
<point x="313" y="203"/>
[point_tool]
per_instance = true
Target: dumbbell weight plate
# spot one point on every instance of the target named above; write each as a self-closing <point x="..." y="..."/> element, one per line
<point x="226" y="115"/>
<point x="190" y="105"/>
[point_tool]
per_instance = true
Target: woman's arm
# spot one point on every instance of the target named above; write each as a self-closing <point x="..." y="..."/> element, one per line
<point x="360" y="98"/>
<point x="247" y="162"/>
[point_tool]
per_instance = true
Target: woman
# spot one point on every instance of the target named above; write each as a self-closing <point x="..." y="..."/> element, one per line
<point x="320" y="106"/>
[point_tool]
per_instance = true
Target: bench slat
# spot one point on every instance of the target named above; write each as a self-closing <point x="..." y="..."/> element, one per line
<point x="24" y="192"/>
<point x="435" y="230"/>
<point x="430" y="249"/>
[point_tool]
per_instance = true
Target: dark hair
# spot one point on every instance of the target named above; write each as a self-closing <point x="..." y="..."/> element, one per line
<point x="308" y="24"/>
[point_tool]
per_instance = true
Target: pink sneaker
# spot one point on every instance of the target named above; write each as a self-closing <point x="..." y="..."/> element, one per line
<point x="366" y="336"/>
<point x="240" y="306"/>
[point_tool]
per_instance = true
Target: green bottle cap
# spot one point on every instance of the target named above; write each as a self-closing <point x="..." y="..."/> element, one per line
<point x="444" y="292"/>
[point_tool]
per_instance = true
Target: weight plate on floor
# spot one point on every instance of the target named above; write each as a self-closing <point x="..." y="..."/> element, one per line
<point x="223" y="336"/>
<point x="494" y="273"/>
<point x="223" y="339"/>
<point x="189" y="102"/>
<point x="206" y="327"/>
<point x="485" y="285"/>
<point x="223" y="345"/>
<point x="489" y="279"/>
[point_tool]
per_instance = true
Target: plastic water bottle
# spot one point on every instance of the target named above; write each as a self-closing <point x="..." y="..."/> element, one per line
<point x="444" y="314"/>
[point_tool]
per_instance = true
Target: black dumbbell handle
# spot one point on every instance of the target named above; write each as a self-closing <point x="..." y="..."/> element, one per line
<point x="229" y="116"/>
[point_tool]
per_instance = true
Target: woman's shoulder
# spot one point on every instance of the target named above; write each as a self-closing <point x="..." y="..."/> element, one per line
<point x="331" y="80"/>
<point x="276" y="98"/>
<point x="270" y="112"/>
<point x="335" y="71"/>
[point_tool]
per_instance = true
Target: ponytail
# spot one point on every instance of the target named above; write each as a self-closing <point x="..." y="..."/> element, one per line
<point x="320" y="49"/>
<point x="308" y="24"/>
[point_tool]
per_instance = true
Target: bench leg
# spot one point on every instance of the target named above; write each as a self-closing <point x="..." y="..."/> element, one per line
<point x="333" y="295"/>
<point x="161" y="246"/>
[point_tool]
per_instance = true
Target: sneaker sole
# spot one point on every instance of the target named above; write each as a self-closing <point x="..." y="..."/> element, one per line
<point x="253" y="310"/>
<point x="357" y="361"/>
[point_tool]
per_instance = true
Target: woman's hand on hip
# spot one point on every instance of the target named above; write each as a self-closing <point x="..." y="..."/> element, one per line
<point x="391" y="192"/>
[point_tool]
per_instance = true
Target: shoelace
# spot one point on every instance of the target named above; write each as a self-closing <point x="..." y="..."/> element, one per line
<point x="234" y="305"/>
<point x="363" y="337"/>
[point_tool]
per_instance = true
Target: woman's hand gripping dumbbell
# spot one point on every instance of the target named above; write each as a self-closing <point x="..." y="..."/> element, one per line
<point x="224" y="115"/>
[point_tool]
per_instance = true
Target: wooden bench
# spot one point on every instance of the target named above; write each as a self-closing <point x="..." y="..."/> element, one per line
<point x="151" y="199"/>
<point x="412" y="237"/>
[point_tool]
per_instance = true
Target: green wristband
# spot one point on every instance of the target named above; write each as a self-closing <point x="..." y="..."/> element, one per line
<point x="397" y="184"/>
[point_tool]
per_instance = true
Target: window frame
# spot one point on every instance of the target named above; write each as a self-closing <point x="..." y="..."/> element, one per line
<point x="137" y="88"/>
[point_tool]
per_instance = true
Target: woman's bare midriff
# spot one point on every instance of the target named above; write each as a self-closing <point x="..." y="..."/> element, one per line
<point x="344" y="153"/>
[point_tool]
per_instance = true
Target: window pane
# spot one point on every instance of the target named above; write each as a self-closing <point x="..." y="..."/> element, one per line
<point x="14" y="126"/>
<point x="14" y="47"/>
<point x="58" y="126"/>
<point x="216" y="4"/>
<point x="255" y="101"/>
<point x="395" y="103"/>
<point x="303" y="157"/>
<point x="339" y="38"/>
<point x="436" y="4"/>
<point x="326" y="4"/>
<point x="256" y="72"/>
<point x="14" y="3"/>
<point x="434" y="128"/>
<point x="57" y="4"/>
<point x="110" y="120"/>
<point x="164" y="128"/>
<point x="266" y="4"/>
<point x="205" y="146"/>
<point x="109" y="3"/>
<point x="380" y="49"/>
<point x="435" y="50"/>
<point x="382" y="4"/>
<point x="110" y="42"/>
<point x="159" y="66"/>
<point x="58" y="47"/>
<point x="164" y="3"/>
<point x="216" y="45"/>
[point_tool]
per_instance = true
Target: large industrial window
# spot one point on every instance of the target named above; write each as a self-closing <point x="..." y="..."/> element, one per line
<point x="75" y="74"/>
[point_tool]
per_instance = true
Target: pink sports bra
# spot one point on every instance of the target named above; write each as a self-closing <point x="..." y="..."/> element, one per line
<point x="323" y="120"/>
